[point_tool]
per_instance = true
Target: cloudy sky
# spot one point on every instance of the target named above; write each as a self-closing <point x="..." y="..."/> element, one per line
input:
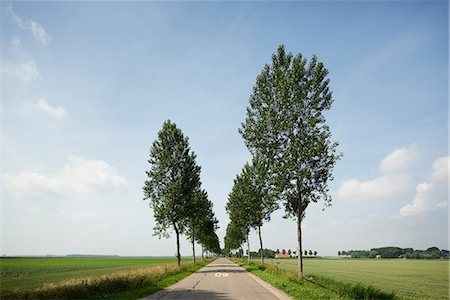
<point x="85" y="87"/>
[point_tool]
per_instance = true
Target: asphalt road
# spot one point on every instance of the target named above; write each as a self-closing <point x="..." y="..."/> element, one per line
<point x="222" y="279"/>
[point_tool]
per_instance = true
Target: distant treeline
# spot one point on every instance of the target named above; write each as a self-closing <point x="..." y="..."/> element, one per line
<point x="269" y="253"/>
<point x="397" y="252"/>
<point x="90" y="255"/>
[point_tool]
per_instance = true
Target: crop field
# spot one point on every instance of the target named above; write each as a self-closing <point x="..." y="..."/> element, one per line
<point x="407" y="278"/>
<point x="27" y="273"/>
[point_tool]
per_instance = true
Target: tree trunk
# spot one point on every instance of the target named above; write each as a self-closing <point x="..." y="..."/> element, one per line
<point x="261" y="245"/>
<point x="248" y="247"/>
<point x="299" y="238"/>
<point x="203" y="253"/>
<point x="193" y="245"/>
<point x="193" y="250"/>
<point x="178" y="245"/>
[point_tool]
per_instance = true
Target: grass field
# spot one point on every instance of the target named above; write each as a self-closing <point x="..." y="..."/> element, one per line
<point x="419" y="279"/>
<point x="313" y="287"/>
<point x="30" y="273"/>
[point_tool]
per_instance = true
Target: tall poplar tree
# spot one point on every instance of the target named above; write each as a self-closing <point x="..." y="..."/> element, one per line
<point x="201" y="223"/>
<point x="206" y="235"/>
<point x="240" y="208"/>
<point x="211" y="243"/>
<point x="285" y="125"/>
<point x="260" y="193"/>
<point x="172" y="181"/>
<point x="251" y="202"/>
<point x="234" y="237"/>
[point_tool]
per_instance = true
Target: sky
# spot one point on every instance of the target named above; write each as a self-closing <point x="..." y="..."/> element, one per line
<point x="86" y="86"/>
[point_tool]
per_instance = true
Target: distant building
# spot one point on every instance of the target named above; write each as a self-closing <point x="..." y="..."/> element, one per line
<point x="281" y="255"/>
<point x="378" y="256"/>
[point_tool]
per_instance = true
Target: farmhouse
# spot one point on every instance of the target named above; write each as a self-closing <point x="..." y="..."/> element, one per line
<point x="281" y="255"/>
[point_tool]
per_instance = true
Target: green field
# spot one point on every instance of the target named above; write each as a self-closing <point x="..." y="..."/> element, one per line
<point x="27" y="273"/>
<point x="419" y="279"/>
<point x="407" y="278"/>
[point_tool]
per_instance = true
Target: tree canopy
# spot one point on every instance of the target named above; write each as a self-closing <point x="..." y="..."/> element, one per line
<point x="234" y="237"/>
<point x="173" y="179"/>
<point x="201" y="222"/>
<point x="285" y="127"/>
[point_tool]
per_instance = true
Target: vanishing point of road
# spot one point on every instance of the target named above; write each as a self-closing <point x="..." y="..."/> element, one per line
<point x="221" y="279"/>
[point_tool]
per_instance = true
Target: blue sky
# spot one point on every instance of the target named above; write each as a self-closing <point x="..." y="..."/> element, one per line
<point x="86" y="87"/>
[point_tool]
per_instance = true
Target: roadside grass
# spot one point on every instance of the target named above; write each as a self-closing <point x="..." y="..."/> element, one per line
<point x="312" y="286"/>
<point x="407" y="278"/>
<point x="119" y="285"/>
<point x="33" y="272"/>
<point x="157" y="286"/>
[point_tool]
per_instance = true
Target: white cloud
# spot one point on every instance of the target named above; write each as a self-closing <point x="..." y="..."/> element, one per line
<point x="78" y="176"/>
<point x="22" y="69"/>
<point x="443" y="204"/>
<point x="57" y="112"/>
<point x="77" y="215"/>
<point x="398" y="159"/>
<point x="420" y="202"/>
<point x="430" y="195"/>
<point x="16" y="47"/>
<point x="440" y="170"/>
<point x="27" y="24"/>
<point x="386" y="186"/>
<point x="393" y="183"/>
<point x="33" y="209"/>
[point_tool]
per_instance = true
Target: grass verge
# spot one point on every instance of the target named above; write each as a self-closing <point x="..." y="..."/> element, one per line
<point x="120" y="285"/>
<point x="407" y="278"/>
<point x="313" y="286"/>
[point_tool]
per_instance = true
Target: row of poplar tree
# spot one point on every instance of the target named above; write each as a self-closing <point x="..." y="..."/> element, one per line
<point x="174" y="189"/>
<point x="293" y="155"/>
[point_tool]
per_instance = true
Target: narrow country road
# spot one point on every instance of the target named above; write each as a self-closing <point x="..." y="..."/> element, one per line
<point x="222" y="279"/>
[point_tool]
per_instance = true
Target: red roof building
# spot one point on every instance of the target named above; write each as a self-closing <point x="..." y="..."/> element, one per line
<point x="281" y="255"/>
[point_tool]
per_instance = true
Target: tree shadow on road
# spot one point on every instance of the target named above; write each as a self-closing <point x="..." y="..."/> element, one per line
<point x="221" y="269"/>
<point x="187" y="294"/>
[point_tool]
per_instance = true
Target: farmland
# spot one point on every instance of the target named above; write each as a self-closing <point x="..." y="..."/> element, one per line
<point x="30" y="273"/>
<point x="417" y="279"/>
<point x="408" y="278"/>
